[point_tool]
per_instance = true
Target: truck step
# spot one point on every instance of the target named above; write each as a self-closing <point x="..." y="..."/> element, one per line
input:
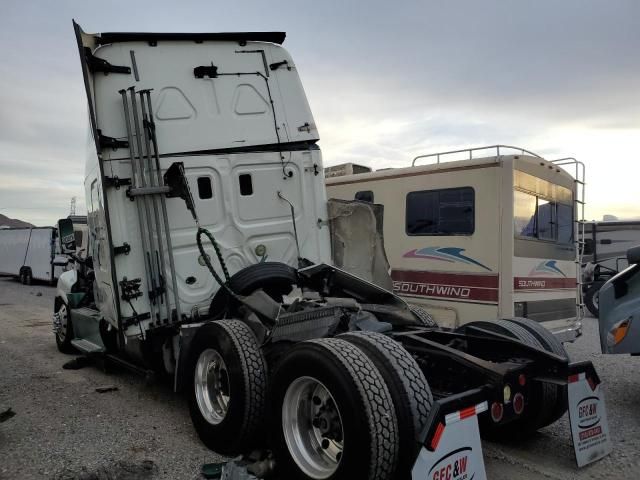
<point x="86" y="346"/>
<point x="86" y="328"/>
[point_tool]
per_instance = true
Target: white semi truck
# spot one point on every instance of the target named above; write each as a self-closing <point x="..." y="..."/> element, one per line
<point x="210" y="261"/>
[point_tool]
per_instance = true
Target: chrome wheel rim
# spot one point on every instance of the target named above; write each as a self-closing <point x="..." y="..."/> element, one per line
<point x="313" y="428"/>
<point x="212" y="386"/>
<point x="63" y="318"/>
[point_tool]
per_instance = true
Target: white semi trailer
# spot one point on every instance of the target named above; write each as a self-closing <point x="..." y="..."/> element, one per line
<point x="210" y="260"/>
<point x="30" y="254"/>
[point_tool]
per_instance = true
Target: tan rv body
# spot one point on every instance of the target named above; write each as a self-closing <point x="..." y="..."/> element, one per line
<point x="488" y="272"/>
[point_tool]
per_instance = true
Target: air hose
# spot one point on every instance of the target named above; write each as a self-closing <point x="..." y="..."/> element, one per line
<point x="207" y="260"/>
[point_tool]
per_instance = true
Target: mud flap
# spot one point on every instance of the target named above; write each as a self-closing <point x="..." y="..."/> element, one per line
<point x="452" y="448"/>
<point x="588" y="418"/>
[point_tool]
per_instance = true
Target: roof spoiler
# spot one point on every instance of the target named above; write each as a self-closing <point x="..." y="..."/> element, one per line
<point x="240" y="37"/>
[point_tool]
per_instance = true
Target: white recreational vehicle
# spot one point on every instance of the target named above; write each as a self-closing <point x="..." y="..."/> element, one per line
<point x="209" y="261"/>
<point x="488" y="237"/>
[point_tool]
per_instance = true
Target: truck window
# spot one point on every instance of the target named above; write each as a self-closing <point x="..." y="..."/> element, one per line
<point x="78" y="237"/>
<point x="204" y="188"/>
<point x="246" y="185"/>
<point x="449" y="211"/>
<point x="365" y="196"/>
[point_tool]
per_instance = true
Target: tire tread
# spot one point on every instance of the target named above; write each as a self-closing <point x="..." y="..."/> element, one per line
<point x="377" y="401"/>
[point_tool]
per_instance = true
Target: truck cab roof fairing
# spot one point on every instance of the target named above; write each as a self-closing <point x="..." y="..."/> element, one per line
<point x="116" y="37"/>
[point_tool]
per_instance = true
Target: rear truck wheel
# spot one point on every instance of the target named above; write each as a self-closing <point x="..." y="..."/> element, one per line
<point x="592" y="298"/>
<point x="539" y="408"/>
<point x="425" y="318"/>
<point x="228" y="386"/>
<point x="407" y="385"/>
<point x="332" y="414"/>
<point x="551" y="344"/>
<point x="275" y="278"/>
<point x="63" y="327"/>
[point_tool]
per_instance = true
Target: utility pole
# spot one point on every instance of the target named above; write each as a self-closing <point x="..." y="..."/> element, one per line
<point x="73" y="206"/>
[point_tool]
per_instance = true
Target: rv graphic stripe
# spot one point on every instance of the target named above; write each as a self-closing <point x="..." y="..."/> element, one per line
<point x="444" y="254"/>
<point x="455" y="286"/>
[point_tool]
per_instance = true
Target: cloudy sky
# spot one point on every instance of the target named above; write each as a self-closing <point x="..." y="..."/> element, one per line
<point x="386" y="81"/>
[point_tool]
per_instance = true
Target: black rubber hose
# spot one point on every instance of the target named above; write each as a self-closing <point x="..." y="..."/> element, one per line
<point x="207" y="260"/>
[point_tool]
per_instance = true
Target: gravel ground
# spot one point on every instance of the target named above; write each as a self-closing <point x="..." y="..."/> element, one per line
<point x="64" y="429"/>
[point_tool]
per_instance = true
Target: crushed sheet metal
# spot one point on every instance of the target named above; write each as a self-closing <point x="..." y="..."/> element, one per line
<point x="588" y="419"/>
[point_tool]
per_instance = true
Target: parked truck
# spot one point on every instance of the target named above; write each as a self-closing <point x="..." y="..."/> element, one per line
<point x="210" y="261"/>
<point x="620" y="308"/>
<point x="488" y="232"/>
<point x="31" y="254"/>
<point x="605" y="254"/>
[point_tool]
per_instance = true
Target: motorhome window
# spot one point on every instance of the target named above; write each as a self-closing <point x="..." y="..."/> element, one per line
<point x="546" y="220"/>
<point x="246" y="187"/>
<point x="449" y="211"/>
<point x="541" y="209"/>
<point x="524" y="214"/>
<point x="365" y="196"/>
<point x="565" y="223"/>
<point x="204" y="188"/>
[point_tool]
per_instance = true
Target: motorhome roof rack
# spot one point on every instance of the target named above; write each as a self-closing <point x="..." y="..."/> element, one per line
<point x="475" y="149"/>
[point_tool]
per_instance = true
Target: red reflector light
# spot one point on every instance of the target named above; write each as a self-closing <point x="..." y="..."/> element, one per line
<point x="497" y="411"/>
<point x="522" y="380"/>
<point x="518" y="403"/>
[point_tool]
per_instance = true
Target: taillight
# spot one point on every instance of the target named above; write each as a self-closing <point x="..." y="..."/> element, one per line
<point x="497" y="411"/>
<point x="518" y="403"/>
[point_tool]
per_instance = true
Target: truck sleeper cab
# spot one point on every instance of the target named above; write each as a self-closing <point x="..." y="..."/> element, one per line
<point x="200" y="137"/>
<point x="488" y="237"/>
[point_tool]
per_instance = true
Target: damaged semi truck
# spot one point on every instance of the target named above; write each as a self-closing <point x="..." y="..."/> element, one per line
<point x="210" y="262"/>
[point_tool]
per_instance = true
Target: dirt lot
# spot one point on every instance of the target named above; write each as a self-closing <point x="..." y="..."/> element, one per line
<point x="64" y="429"/>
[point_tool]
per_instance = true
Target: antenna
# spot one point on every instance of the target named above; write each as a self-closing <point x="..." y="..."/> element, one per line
<point x="73" y="206"/>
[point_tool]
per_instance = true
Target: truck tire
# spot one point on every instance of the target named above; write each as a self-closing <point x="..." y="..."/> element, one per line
<point x="64" y="333"/>
<point x="275" y="278"/>
<point x="425" y="318"/>
<point x="541" y="404"/>
<point x="332" y="414"/>
<point x="407" y="385"/>
<point x="228" y="391"/>
<point x="548" y="340"/>
<point x="551" y="344"/>
<point x="592" y="297"/>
